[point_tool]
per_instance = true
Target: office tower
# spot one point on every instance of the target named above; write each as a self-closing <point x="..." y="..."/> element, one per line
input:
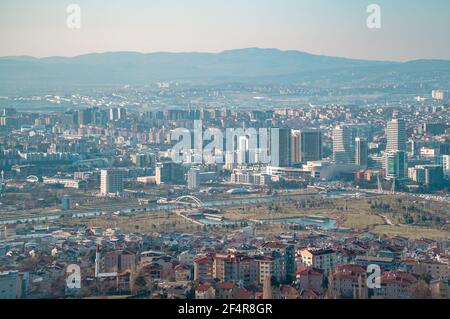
<point x="113" y="114"/>
<point x="74" y="120"/>
<point x="141" y="160"/>
<point x="396" y="135"/>
<point x="396" y="166"/>
<point x="310" y="146"/>
<point x="344" y="144"/>
<point x="361" y="152"/>
<point x="280" y="147"/>
<point x="417" y="174"/>
<point x="243" y="150"/>
<point x="295" y="147"/>
<point x="111" y="182"/>
<point x="169" y="173"/>
<point x="117" y="114"/>
<point x="100" y="117"/>
<point x="193" y="178"/>
<point x="85" y="117"/>
<point x="144" y="160"/>
<point x="438" y="95"/>
<point x="434" y="177"/>
<point x="122" y="113"/>
<point x="445" y="162"/>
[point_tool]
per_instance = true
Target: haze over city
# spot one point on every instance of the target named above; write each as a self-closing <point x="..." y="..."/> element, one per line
<point x="212" y="157"/>
<point x="410" y="29"/>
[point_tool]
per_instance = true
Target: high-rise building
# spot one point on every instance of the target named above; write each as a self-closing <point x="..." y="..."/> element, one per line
<point x="430" y="176"/>
<point x="438" y="94"/>
<point x="143" y="160"/>
<point x="280" y="147"/>
<point x="344" y="144"/>
<point x="243" y="150"/>
<point x="117" y="114"/>
<point x="434" y="177"/>
<point x="111" y="182"/>
<point x="169" y="172"/>
<point x="396" y="165"/>
<point x="396" y="135"/>
<point x="193" y="178"/>
<point x="361" y="152"/>
<point x="417" y="174"/>
<point x="85" y="117"/>
<point x="445" y="160"/>
<point x="295" y="147"/>
<point x="310" y="145"/>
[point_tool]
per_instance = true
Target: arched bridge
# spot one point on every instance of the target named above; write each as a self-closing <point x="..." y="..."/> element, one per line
<point x="189" y="200"/>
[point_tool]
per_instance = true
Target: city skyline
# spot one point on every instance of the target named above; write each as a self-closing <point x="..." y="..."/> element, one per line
<point x="184" y="151"/>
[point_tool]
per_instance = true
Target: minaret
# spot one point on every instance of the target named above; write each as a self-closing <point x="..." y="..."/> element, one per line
<point x="97" y="261"/>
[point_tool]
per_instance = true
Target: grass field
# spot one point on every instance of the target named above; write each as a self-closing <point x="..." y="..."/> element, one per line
<point x="357" y="213"/>
<point x="414" y="232"/>
<point x="361" y="221"/>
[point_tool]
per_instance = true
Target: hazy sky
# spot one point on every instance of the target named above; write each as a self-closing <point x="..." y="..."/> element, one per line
<point x="411" y="29"/>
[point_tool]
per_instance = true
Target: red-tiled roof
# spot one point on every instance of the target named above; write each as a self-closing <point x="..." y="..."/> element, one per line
<point x="350" y="268"/>
<point x="203" y="287"/>
<point x="227" y="285"/>
<point x="243" y="294"/>
<point x="310" y="272"/>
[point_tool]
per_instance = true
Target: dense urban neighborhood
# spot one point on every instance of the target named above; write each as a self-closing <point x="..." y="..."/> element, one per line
<point x="330" y="201"/>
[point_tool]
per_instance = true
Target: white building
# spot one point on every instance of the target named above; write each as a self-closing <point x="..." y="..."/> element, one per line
<point x="324" y="259"/>
<point x="111" y="182"/>
<point x="438" y="95"/>
<point x="66" y="182"/>
<point x="446" y="165"/>
<point x="193" y="178"/>
<point x="344" y="144"/>
<point x="396" y="135"/>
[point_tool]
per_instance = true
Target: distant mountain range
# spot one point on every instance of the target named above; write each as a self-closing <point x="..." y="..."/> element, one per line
<point x="251" y="65"/>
